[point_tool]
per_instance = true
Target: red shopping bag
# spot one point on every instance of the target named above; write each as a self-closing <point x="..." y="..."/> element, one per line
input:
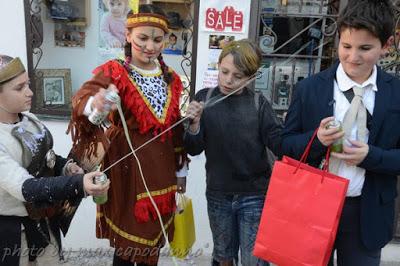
<point x="301" y="213"/>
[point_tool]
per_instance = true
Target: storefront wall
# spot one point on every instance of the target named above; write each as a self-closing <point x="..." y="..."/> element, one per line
<point x="81" y="234"/>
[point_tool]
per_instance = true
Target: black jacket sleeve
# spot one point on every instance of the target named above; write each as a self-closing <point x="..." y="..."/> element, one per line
<point x="270" y="127"/>
<point x="47" y="190"/>
<point x="60" y="163"/>
<point x="295" y="135"/>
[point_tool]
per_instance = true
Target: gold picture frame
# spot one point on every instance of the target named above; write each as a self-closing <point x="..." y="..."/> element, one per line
<point x="53" y="92"/>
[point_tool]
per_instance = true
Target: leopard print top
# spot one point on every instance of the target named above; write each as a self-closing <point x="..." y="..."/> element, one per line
<point x="152" y="86"/>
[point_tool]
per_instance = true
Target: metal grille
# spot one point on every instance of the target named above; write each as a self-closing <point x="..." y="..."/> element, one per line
<point x="297" y="39"/>
<point x="391" y="62"/>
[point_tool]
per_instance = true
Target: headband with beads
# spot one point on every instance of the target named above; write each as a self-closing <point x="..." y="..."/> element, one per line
<point x="145" y="19"/>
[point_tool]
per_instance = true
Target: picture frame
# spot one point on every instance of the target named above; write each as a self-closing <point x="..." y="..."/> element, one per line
<point x="175" y="43"/>
<point x="53" y="92"/>
<point x="71" y="12"/>
<point x="66" y="35"/>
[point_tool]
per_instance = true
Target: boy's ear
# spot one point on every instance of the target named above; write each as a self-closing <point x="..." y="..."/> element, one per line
<point x="389" y="43"/>
<point x="385" y="48"/>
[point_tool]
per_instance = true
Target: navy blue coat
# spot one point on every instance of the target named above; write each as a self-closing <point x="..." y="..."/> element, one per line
<point x="313" y="101"/>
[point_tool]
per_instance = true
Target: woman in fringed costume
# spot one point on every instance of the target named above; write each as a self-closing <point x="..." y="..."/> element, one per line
<point x="149" y="92"/>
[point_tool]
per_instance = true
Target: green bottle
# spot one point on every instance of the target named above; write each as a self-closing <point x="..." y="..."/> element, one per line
<point x="102" y="179"/>
<point x="337" y="146"/>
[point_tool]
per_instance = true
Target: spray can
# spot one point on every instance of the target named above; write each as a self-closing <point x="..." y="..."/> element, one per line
<point x="97" y="117"/>
<point x="101" y="179"/>
<point x="336" y="146"/>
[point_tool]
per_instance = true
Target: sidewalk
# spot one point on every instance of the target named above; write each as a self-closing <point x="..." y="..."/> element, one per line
<point x="391" y="254"/>
<point x="390" y="257"/>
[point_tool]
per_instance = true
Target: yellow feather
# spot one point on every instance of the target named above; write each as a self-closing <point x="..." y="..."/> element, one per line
<point x="134" y="5"/>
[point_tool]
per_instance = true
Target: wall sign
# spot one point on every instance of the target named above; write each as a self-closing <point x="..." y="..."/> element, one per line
<point x="224" y="16"/>
<point x="222" y="20"/>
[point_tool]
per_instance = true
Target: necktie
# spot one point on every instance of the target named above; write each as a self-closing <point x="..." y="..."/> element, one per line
<point x="357" y="113"/>
<point x="349" y="96"/>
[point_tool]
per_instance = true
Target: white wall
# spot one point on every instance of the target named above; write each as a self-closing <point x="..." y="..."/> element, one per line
<point x="12" y="29"/>
<point x="82" y="61"/>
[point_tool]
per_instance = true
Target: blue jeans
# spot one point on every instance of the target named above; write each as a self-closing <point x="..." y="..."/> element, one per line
<point x="234" y="223"/>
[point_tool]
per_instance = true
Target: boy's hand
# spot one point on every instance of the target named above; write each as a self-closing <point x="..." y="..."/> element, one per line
<point x="95" y="189"/>
<point x="328" y="135"/>
<point x="354" y="154"/>
<point x="194" y="111"/>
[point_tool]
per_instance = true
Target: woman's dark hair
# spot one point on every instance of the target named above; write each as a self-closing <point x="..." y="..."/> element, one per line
<point x="152" y="9"/>
<point x="375" y="16"/>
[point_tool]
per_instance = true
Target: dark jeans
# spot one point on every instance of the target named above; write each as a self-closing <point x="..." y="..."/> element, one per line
<point x="348" y="246"/>
<point x="234" y="223"/>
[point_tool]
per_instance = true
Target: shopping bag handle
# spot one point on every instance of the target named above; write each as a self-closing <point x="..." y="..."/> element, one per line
<point x="304" y="157"/>
<point x="181" y="202"/>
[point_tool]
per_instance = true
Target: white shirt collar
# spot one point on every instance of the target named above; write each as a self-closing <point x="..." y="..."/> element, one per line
<point x="345" y="82"/>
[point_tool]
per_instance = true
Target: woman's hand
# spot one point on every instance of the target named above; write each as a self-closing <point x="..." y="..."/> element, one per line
<point x="99" y="100"/>
<point x="95" y="189"/>
<point x="73" y="169"/>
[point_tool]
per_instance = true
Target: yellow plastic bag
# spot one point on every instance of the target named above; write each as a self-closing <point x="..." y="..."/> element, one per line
<point x="185" y="234"/>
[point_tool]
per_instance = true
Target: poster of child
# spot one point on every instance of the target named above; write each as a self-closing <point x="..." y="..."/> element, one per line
<point x="174" y="43"/>
<point x="112" y="25"/>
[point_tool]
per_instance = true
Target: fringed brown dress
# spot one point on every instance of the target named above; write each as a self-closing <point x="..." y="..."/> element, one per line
<point x="128" y="219"/>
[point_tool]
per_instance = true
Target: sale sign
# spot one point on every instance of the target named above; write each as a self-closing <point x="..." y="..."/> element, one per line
<point x="224" y="16"/>
<point x="227" y="18"/>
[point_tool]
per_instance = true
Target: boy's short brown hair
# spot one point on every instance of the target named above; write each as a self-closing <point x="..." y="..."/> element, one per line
<point x="246" y="56"/>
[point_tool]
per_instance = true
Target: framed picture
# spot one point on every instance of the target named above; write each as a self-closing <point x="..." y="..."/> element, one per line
<point x="53" y="92"/>
<point x="175" y="43"/>
<point x="66" y="35"/>
<point x="75" y="12"/>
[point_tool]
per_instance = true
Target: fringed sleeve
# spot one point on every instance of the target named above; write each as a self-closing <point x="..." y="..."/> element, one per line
<point x="181" y="158"/>
<point x="180" y="153"/>
<point x="88" y="140"/>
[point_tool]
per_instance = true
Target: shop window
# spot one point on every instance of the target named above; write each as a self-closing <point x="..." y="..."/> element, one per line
<point x="297" y="39"/>
<point x="66" y="42"/>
